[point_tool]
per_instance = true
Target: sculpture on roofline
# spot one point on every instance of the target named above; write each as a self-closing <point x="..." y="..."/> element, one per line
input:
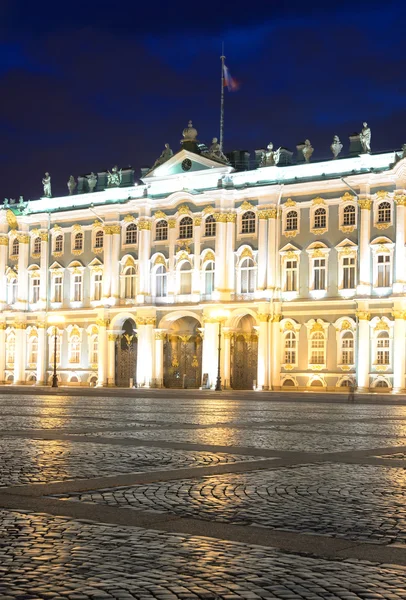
<point x="365" y="138"/>
<point x="91" y="181"/>
<point x="114" y="178"/>
<point x="71" y="185"/>
<point x="165" y="155"/>
<point x="404" y="151"/>
<point x="336" y="146"/>
<point x="46" y="182"/>
<point x="307" y="150"/>
<point x="215" y="151"/>
<point x="268" y="157"/>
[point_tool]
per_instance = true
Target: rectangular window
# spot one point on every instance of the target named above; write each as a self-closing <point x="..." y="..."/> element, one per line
<point x="291" y="276"/>
<point x="384" y="270"/>
<point x="98" y="281"/>
<point x="77" y="288"/>
<point x="319" y="268"/>
<point x="382" y="354"/>
<point x="35" y="290"/>
<point x="349" y="273"/>
<point x="58" y="288"/>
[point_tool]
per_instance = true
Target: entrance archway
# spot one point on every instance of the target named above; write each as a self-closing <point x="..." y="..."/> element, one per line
<point x="126" y="355"/>
<point x="244" y="355"/>
<point x="183" y="354"/>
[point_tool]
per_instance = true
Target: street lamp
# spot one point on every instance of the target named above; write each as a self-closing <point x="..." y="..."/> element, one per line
<point x="55" y="320"/>
<point x="220" y="315"/>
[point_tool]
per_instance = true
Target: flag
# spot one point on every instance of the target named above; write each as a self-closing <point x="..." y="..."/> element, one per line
<point x="231" y="83"/>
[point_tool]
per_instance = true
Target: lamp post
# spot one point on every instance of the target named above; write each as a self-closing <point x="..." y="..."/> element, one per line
<point x="55" y="320"/>
<point x="220" y="315"/>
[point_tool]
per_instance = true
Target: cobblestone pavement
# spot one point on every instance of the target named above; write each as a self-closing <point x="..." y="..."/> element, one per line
<point x="326" y="519"/>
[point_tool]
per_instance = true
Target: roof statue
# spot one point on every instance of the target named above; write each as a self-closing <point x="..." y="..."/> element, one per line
<point x="189" y="133"/>
<point x="71" y="185"/>
<point x="215" y="151"/>
<point x="268" y="157"/>
<point x="307" y="150"/>
<point x="114" y="178"/>
<point x="336" y="146"/>
<point x="404" y="151"/>
<point x="91" y="181"/>
<point x="365" y="138"/>
<point x="165" y="155"/>
<point x="46" y="182"/>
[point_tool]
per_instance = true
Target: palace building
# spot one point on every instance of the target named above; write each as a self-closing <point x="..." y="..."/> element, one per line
<point x="297" y="270"/>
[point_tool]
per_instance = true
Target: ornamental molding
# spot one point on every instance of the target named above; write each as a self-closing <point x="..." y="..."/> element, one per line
<point x="247" y="252"/>
<point x="382" y="225"/>
<point x="160" y="215"/>
<point x="347" y="197"/>
<point x="263" y="214"/>
<point x="76" y="228"/>
<point x="172" y="223"/>
<point x="183" y="210"/>
<point x="276" y="318"/>
<point x="11" y="219"/>
<point x="34" y="232"/>
<point x="112" y="337"/>
<point x="382" y="194"/>
<point x="365" y="204"/>
<point x="363" y="315"/>
<point x="23" y="238"/>
<point x="182" y="256"/>
<point x="102" y="322"/>
<point x="347" y="228"/>
<point x="208" y="210"/>
<point x="289" y="202"/>
<point x="400" y="200"/>
<point x="231" y="217"/>
<point x="317" y="201"/>
<point x="209" y="256"/>
<point x="44" y="236"/>
<point x="262" y="317"/>
<point x="144" y="224"/>
<point x="3" y="326"/>
<point x="129" y="219"/>
<point x="319" y="231"/>
<point x="56" y="229"/>
<point x="160" y="260"/>
<point x="145" y="321"/>
<point x="247" y="206"/>
<point x="291" y="233"/>
<point x="220" y="217"/>
<point x="77" y="252"/>
<point x="3" y="240"/>
<point x="381" y="326"/>
<point x="197" y="221"/>
<point x="110" y="229"/>
<point x="160" y="335"/>
<point x="97" y="225"/>
<point x="399" y="314"/>
<point x="19" y="325"/>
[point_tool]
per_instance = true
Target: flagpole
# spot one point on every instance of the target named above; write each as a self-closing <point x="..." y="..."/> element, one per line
<point x="222" y="57"/>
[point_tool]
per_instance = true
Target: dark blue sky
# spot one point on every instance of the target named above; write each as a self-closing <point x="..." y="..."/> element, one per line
<point x="86" y="85"/>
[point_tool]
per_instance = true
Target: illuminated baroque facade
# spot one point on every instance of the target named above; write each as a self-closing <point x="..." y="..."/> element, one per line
<point x="304" y="265"/>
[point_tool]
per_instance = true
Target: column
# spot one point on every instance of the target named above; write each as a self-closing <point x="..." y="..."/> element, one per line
<point x="44" y="265"/>
<point x="263" y="345"/>
<point x="171" y="274"/>
<point x="107" y="245"/>
<point x="114" y="265"/>
<point x="273" y="251"/>
<point x="196" y="279"/>
<point x="159" y="357"/>
<point x="230" y="258"/>
<point x="262" y="250"/>
<point x="210" y="350"/>
<point x="400" y="282"/>
<point x="22" y="299"/>
<point x="363" y="355"/>
<point x="2" y="351"/>
<point x="42" y="353"/>
<point x="111" y="359"/>
<point x="3" y="267"/>
<point x="144" y="254"/>
<point x="399" y="343"/>
<point x="20" y="352"/>
<point x="364" y="284"/>
<point x="145" y="350"/>
<point x="276" y="352"/>
<point x="102" y="352"/>
<point x="220" y="283"/>
<point x="226" y="358"/>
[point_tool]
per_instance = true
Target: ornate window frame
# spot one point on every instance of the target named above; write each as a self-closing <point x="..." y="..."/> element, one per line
<point x="10" y="343"/>
<point x="158" y="260"/>
<point x="289" y="326"/>
<point x="156" y="223"/>
<point x="32" y="339"/>
<point x="34" y="274"/>
<point x="14" y="246"/>
<point x="74" y="344"/>
<point x="96" y="268"/>
<point x="93" y="342"/>
<point x="242" y="253"/>
<point x="96" y="247"/>
<point x="289" y="252"/>
<point x="56" y="270"/>
<point x="381" y="197"/>
<point x="130" y="226"/>
<point x="35" y="251"/>
<point x="346" y="249"/>
<point x="76" y="269"/>
<point x="287" y="207"/>
<point x="382" y="246"/>
<point x="343" y="326"/>
<point x="317" y="250"/>
<point x="187" y="233"/>
<point x="346" y="201"/>
<point x="12" y="286"/>
<point x="127" y="262"/>
<point x="210" y="225"/>
<point x="316" y="326"/>
<point x="378" y="327"/>
<point x="51" y="346"/>
<point x="316" y="204"/>
<point x="57" y="232"/>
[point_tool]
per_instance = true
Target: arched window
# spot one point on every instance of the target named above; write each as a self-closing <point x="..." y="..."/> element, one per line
<point x="317" y="348"/>
<point x="320" y="218"/>
<point x="347" y="348"/>
<point x="58" y="247"/>
<point x="248" y="272"/>
<point x="131" y="234"/>
<point x="290" y="349"/>
<point x="288" y="383"/>
<point x="93" y="349"/>
<point x="209" y="277"/>
<point x="33" y="350"/>
<point x="248" y="222"/>
<point x="78" y="241"/>
<point x="12" y="291"/>
<point x="381" y="384"/>
<point x="97" y="286"/>
<point x="186" y="278"/>
<point x="10" y="349"/>
<point x="291" y="221"/>
<point x="383" y="348"/>
<point x="291" y="277"/>
<point x="210" y="226"/>
<point x="37" y="245"/>
<point x="15" y="247"/>
<point x="384" y="212"/>
<point x="35" y="287"/>
<point x="130" y="283"/>
<point x="99" y="239"/>
<point x="161" y="230"/>
<point x="349" y="215"/>
<point x="160" y="282"/>
<point x="74" y="349"/>
<point x="186" y="228"/>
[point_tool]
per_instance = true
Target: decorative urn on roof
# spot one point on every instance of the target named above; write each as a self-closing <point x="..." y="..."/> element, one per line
<point x="189" y="141"/>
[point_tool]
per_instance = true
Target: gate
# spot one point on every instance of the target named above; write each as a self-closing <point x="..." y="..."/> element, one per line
<point x="126" y="359"/>
<point x="183" y="361"/>
<point x="244" y="361"/>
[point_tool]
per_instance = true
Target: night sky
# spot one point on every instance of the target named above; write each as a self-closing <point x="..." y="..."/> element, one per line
<point x="87" y="85"/>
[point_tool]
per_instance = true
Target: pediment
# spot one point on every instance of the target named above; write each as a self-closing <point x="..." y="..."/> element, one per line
<point x="185" y="163"/>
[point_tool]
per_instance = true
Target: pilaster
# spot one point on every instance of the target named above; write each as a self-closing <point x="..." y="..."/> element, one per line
<point x="44" y="265"/>
<point x="196" y="264"/>
<point x="273" y="251"/>
<point x="400" y="278"/>
<point x="2" y="351"/>
<point x="262" y="251"/>
<point x="159" y="357"/>
<point x="171" y="243"/>
<point x="364" y="285"/>
<point x="107" y="246"/>
<point x="22" y="299"/>
<point x="144" y="253"/>
<point x="220" y="282"/>
<point x="363" y="357"/>
<point x="111" y="359"/>
<point x="114" y="265"/>
<point x="20" y="352"/>
<point x="145" y="351"/>
<point x="210" y="350"/>
<point x="227" y="358"/>
<point x="399" y="347"/>
<point x="276" y="352"/>
<point x="263" y="346"/>
<point x="102" y="324"/>
<point x="3" y="267"/>
<point x="42" y="353"/>
<point x="230" y="249"/>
